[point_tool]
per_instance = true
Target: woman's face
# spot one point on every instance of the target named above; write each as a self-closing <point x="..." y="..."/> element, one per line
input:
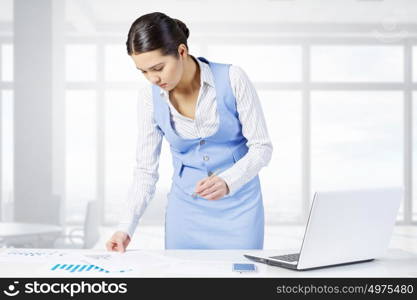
<point x="163" y="70"/>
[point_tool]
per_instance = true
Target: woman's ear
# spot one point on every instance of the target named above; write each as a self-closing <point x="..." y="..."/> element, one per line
<point x="182" y="50"/>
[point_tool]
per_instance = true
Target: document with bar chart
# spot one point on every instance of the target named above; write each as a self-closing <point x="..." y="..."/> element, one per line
<point x="114" y="262"/>
<point x="61" y="262"/>
<point x="85" y="266"/>
<point x="71" y="268"/>
<point x="79" y="268"/>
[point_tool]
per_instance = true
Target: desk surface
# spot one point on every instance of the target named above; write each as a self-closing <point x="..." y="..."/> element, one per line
<point x="218" y="263"/>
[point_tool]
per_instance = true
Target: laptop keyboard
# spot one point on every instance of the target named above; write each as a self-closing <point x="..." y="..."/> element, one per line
<point x="288" y="257"/>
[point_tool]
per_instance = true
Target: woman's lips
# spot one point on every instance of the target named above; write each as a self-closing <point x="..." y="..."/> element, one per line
<point x="163" y="85"/>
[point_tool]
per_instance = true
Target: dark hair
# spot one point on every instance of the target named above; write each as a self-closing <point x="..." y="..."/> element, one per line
<point x="156" y="31"/>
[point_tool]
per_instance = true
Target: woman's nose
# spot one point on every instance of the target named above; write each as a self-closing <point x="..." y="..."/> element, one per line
<point x="155" y="80"/>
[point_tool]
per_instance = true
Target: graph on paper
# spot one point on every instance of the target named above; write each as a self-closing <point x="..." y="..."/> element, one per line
<point x="66" y="261"/>
<point x="82" y="268"/>
<point x="72" y="268"/>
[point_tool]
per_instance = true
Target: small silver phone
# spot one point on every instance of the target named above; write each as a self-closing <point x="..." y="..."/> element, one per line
<point x="244" y="268"/>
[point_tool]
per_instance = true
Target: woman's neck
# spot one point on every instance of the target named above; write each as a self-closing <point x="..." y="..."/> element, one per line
<point x="190" y="81"/>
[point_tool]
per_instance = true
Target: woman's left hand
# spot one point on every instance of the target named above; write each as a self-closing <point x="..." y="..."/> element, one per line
<point x="212" y="188"/>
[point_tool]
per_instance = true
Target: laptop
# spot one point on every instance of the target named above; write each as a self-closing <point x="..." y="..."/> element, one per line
<point x="343" y="227"/>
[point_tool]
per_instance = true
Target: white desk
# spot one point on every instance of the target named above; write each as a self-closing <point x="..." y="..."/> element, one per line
<point x="218" y="263"/>
<point x="12" y="233"/>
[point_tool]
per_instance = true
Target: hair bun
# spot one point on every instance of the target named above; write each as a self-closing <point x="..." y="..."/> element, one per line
<point x="183" y="27"/>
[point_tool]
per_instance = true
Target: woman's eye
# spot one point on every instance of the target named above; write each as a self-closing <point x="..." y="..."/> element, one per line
<point x="157" y="70"/>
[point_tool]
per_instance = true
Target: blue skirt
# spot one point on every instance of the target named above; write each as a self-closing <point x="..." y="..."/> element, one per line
<point x="232" y="222"/>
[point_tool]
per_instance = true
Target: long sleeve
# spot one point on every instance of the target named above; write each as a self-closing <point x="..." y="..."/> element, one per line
<point x="145" y="174"/>
<point x="253" y="129"/>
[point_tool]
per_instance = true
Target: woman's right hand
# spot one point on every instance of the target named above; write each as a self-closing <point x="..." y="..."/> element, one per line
<point x="118" y="242"/>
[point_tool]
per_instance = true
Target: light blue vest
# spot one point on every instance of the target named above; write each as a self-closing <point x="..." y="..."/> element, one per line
<point x="232" y="222"/>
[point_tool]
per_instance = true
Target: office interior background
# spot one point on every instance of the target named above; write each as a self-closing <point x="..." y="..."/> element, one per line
<point x="337" y="80"/>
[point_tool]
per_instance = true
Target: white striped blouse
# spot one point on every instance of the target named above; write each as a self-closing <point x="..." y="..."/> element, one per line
<point x="206" y="121"/>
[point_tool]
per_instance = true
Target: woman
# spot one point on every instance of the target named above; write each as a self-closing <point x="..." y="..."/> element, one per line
<point x="211" y="116"/>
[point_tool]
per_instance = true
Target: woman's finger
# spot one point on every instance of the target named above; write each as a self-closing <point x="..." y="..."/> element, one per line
<point x="212" y="189"/>
<point x="215" y="196"/>
<point x="110" y="245"/>
<point x="207" y="184"/>
<point x="199" y="184"/>
<point x="120" y="247"/>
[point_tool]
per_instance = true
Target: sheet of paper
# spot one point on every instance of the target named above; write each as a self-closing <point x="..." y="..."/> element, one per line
<point x="136" y="260"/>
<point x="73" y="268"/>
<point x="110" y="261"/>
<point x="35" y="255"/>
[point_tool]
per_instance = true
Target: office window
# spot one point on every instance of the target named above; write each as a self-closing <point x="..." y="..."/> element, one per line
<point x="6" y="62"/>
<point x="81" y="152"/>
<point x="121" y="129"/>
<point x="119" y="66"/>
<point x="261" y="62"/>
<point x="414" y="171"/>
<point x="356" y="140"/>
<point x="80" y="62"/>
<point x="414" y="63"/>
<point x="357" y="63"/>
<point x="281" y="179"/>
<point x="120" y="146"/>
<point x="7" y="154"/>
